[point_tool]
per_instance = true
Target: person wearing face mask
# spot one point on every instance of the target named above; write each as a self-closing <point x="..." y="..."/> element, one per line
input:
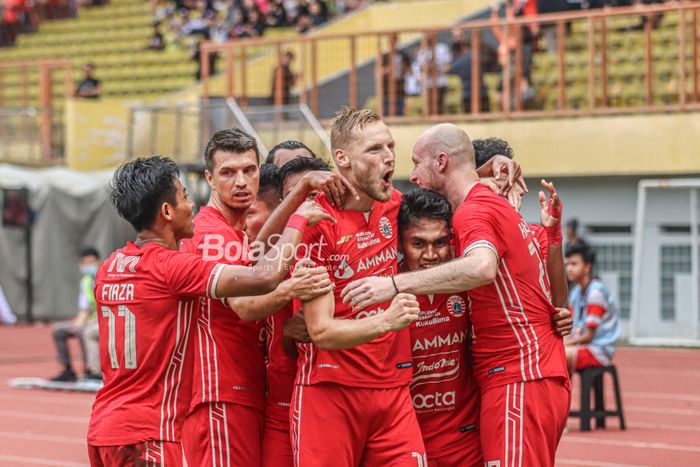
<point x="83" y="326"/>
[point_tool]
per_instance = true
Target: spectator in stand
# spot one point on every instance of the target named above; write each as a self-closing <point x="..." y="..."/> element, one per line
<point x="442" y="61"/>
<point x="89" y="87"/>
<point x="157" y="41"/>
<point x="277" y="14"/>
<point x="83" y="326"/>
<point x="197" y="54"/>
<point x="303" y="23"/>
<point x="256" y="23"/>
<point x="462" y="67"/>
<point x="402" y="68"/>
<point x="507" y="46"/>
<point x="317" y="16"/>
<point x="288" y="78"/>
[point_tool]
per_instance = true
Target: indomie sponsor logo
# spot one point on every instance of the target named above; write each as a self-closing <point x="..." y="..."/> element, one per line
<point x="441" y="364"/>
<point x="121" y="262"/>
<point x="439" y="341"/>
<point x="437" y="399"/>
<point x="382" y="257"/>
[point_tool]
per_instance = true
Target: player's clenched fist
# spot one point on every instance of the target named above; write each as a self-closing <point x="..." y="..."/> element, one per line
<point x="402" y="312"/>
<point x="313" y="212"/>
<point x="308" y="282"/>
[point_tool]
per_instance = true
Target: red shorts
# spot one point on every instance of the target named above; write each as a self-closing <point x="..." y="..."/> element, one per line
<point x="142" y="454"/>
<point x="521" y="423"/>
<point x="347" y="427"/>
<point x="223" y="433"/>
<point x="469" y="455"/>
<point x="277" y="447"/>
<point x="585" y="358"/>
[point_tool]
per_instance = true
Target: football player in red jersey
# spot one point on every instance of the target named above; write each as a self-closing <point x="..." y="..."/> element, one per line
<point x="518" y="357"/>
<point x="444" y="392"/>
<point x="228" y="389"/>
<point x="351" y="402"/>
<point x="146" y="294"/>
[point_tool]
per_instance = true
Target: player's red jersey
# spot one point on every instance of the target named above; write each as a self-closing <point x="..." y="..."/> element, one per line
<point x="513" y="336"/>
<point x="358" y="245"/>
<point x="444" y="392"/>
<point x="145" y="307"/>
<point x="229" y="361"/>
<point x="281" y="371"/>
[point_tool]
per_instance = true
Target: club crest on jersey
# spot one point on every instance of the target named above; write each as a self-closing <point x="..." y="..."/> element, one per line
<point x="344" y="271"/>
<point x="385" y="227"/>
<point x="456" y="305"/>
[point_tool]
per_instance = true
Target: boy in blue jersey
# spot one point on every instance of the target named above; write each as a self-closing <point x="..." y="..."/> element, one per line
<point x="596" y="319"/>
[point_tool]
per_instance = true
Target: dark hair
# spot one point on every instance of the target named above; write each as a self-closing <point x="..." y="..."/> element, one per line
<point x="423" y="204"/>
<point x="232" y="140"/>
<point x="289" y="145"/>
<point x="573" y="224"/>
<point x="141" y="186"/>
<point x="89" y="251"/>
<point x="584" y="250"/>
<point x="485" y="149"/>
<point x="270" y="182"/>
<point x="302" y="164"/>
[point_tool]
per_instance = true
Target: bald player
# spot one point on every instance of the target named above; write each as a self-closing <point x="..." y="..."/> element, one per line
<point x="519" y="359"/>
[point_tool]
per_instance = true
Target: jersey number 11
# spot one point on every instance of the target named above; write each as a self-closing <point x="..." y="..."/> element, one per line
<point x="129" y="335"/>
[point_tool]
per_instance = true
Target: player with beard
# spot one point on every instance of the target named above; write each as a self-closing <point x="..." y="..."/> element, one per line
<point x="226" y="412"/>
<point x="518" y="357"/>
<point x="302" y="174"/>
<point x="146" y="293"/>
<point x="351" y="403"/>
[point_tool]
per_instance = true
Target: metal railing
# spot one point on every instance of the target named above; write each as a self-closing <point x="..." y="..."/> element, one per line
<point x="28" y="105"/>
<point x="353" y="69"/>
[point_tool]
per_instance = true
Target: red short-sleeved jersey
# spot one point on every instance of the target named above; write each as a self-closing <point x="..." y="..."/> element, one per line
<point x="358" y="245"/>
<point x="229" y="363"/>
<point x="513" y="336"/>
<point x="444" y="391"/>
<point x="145" y="306"/>
<point x="281" y="369"/>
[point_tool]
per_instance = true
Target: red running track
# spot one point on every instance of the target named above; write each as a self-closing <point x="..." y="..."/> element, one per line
<point x="661" y="398"/>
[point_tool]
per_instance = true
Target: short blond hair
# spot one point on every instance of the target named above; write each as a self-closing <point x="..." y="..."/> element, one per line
<point x="346" y="121"/>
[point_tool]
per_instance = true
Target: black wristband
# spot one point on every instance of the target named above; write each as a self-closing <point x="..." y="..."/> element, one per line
<point x="395" y="287"/>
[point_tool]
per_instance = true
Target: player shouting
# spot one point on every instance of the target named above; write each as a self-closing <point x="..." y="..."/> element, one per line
<point x="518" y="357"/>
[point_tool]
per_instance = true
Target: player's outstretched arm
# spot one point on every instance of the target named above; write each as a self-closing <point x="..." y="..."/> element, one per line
<point x="305" y="283"/>
<point x="477" y="268"/>
<point x="329" y="333"/>
<point x="267" y="274"/>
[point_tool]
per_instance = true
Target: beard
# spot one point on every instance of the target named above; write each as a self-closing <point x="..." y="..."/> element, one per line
<point x="370" y="183"/>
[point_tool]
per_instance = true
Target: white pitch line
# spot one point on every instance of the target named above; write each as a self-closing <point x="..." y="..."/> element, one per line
<point x="664" y="426"/>
<point x="595" y="463"/>
<point x="662" y="410"/>
<point x="46" y="400"/>
<point x="40" y="437"/>
<point x="36" y="416"/>
<point x="38" y="461"/>
<point x="633" y="444"/>
<point x="664" y="396"/>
